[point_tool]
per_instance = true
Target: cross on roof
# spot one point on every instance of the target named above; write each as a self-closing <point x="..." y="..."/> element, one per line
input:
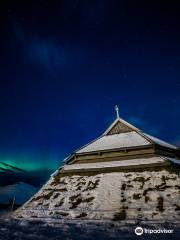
<point x="117" y="111"/>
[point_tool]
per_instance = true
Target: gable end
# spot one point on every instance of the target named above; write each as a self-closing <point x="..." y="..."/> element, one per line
<point x="119" y="128"/>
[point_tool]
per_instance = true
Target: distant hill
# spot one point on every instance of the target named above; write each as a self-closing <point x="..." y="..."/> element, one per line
<point x="10" y="174"/>
<point x="19" y="183"/>
<point x="20" y="192"/>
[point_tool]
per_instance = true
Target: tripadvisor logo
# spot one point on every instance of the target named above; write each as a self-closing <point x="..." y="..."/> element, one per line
<point x="139" y="231"/>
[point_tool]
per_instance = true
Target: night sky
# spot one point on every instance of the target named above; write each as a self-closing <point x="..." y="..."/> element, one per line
<point x="64" y="65"/>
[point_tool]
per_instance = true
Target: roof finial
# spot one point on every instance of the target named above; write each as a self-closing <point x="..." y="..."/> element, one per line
<point x="117" y="111"/>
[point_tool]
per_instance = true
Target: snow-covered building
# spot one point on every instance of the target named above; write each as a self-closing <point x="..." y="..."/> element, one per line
<point x="124" y="175"/>
<point x="122" y="145"/>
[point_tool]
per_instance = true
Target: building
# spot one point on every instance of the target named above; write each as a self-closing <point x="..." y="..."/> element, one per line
<point x="122" y="145"/>
<point x="123" y="175"/>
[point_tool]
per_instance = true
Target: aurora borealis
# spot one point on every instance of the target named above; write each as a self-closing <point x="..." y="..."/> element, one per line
<point x="30" y="162"/>
<point x="65" y="65"/>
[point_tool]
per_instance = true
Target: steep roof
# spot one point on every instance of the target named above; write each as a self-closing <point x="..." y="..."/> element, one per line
<point x="116" y="141"/>
<point x="122" y="134"/>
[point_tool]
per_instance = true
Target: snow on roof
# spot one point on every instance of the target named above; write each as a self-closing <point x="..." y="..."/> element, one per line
<point x="116" y="141"/>
<point x="120" y="163"/>
<point x="134" y="138"/>
<point x="160" y="142"/>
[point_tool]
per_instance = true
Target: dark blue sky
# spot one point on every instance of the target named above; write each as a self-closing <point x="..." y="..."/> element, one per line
<point x="65" y="64"/>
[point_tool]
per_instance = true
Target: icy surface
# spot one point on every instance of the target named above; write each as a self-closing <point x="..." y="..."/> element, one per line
<point x="123" y="140"/>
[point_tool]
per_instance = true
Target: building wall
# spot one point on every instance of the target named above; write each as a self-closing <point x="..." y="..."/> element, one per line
<point x="119" y="196"/>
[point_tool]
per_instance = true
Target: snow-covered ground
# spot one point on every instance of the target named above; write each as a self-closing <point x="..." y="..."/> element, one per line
<point x="11" y="229"/>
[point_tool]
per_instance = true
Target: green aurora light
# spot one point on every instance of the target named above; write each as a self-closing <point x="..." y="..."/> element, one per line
<point x="28" y="163"/>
